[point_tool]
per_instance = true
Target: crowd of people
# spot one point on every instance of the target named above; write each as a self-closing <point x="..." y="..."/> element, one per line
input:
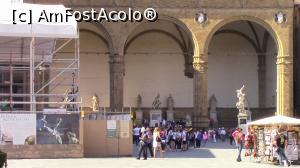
<point x="249" y="142"/>
<point x="173" y="137"/>
<point x="177" y="137"/>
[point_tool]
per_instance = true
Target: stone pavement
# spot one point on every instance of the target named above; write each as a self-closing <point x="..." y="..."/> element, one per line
<point x="215" y="155"/>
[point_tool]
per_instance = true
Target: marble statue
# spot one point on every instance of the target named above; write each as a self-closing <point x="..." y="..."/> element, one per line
<point x="170" y="103"/>
<point x="241" y="95"/>
<point x="213" y="104"/>
<point x="156" y="103"/>
<point x="188" y="120"/>
<point x="67" y="98"/>
<point x="139" y="102"/>
<point x="95" y="102"/>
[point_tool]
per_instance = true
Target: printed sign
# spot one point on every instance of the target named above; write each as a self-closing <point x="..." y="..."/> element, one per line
<point x="57" y="128"/>
<point x="111" y="124"/>
<point x="111" y="133"/>
<point x="17" y="129"/>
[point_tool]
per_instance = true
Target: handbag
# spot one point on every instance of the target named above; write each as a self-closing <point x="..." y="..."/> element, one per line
<point x="158" y="139"/>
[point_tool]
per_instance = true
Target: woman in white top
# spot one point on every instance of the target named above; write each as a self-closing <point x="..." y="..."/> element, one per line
<point x="157" y="142"/>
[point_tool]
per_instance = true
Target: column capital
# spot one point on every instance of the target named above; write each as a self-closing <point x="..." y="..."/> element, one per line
<point x="200" y="64"/>
<point x="284" y="60"/>
<point x="116" y="58"/>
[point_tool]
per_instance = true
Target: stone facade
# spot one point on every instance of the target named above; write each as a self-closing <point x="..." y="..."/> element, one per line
<point x="182" y="13"/>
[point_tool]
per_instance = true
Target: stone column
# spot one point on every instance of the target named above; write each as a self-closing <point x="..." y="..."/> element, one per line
<point x="262" y="80"/>
<point x="116" y="67"/>
<point x="200" y="115"/>
<point x="285" y="85"/>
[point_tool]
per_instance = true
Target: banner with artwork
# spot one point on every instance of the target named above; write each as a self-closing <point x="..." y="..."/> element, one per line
<point x="57" y="128"/>
<point x="17" y="128"/>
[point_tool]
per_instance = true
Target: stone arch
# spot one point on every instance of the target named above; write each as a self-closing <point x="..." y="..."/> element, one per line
<point x="96" y="48"/>
<point x="105" y="35"/>
<point x="257" y="20"/>
<point x="182" y="25"/>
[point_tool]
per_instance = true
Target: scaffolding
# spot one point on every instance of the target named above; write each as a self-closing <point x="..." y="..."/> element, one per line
<point x="34" y="77"/>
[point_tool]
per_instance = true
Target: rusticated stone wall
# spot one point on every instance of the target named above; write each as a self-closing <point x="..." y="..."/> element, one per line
<point x="43" y="151"/>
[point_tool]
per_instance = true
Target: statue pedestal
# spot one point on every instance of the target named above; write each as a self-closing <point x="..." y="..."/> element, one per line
<point x="155" y="117"/>
<point x="139" y="117"/>
<point x="170" y="115"/>
<point x="242" y="121"/>
<point x="200" y="122"/>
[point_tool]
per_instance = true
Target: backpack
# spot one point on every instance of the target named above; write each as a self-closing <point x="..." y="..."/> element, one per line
<point x="250" y="139"/>
<point x="239" y="136"/>
<point x="199" y="136"/>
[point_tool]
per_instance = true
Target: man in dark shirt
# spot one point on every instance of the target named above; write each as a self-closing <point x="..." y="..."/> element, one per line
<point x="3" y="159"/>
<point x="281" y="142"/>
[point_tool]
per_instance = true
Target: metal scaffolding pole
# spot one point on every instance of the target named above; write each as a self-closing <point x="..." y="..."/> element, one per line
<point x="34" y="94"/>
<point x="32" y="67"/>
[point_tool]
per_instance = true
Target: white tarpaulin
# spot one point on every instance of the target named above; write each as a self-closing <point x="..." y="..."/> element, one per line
<point x="15" y="128"/>
<point x="276" y="120"/>
<point x="57" y="24"/>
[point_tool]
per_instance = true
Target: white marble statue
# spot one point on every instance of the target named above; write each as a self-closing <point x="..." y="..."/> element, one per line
<point x="156" y="103"/>
<point x="188" y="120"/>
<point x="241" y="95"/>
<point x="95" y="102"/>
<point x="213" y="104"/>
<point x="170" y="103"/>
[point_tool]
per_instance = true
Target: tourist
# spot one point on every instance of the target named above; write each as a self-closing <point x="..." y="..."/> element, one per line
<point x="205" y="138"/>
<point x="223" y="134"/>
<point x="178" y="139"/>
<point x="3" y="159"/>
<point x="136" y="135"/>
<point x="230" y="136"/>
<point x="239" y="141"/>
<point x="249" y="143"/>
<point x="157" y="142"/>
<point x="184" y="140"/>
<point x="281" y="146"/>
<point x="142" y="129"/>
<point x="163" y="139"/>
<point x="149" y="140"/>
<point x="172" y="139"/>
<point x="213" y="134"/>
<point x="143" y="146"/>
<point x="192" y="138"/>
<point x="199" y="138"/>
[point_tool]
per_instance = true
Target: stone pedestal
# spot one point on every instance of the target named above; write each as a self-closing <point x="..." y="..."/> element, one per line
<point x="139" y="117"/>
<point x="200" y="122"/>
<point x="155" y="117"/>
<point x="242" y="121"/>
<point x="170" y="115"/>
<point x="213" y="115"/>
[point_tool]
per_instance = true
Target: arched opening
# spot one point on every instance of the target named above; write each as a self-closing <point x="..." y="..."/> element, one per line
<point x="94" y="67"/>
<point x="159" y="60"/>
<point x="242" y="52"/>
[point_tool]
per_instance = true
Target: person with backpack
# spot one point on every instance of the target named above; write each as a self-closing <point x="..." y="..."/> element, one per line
<point x="143" y="146"/>
<point x="199" y="137"/>
<point x="239" y="138"/>
<point x="281" y="145"/>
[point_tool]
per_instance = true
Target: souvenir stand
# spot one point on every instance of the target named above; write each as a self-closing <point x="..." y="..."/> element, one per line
<point x="266" y="129"/>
